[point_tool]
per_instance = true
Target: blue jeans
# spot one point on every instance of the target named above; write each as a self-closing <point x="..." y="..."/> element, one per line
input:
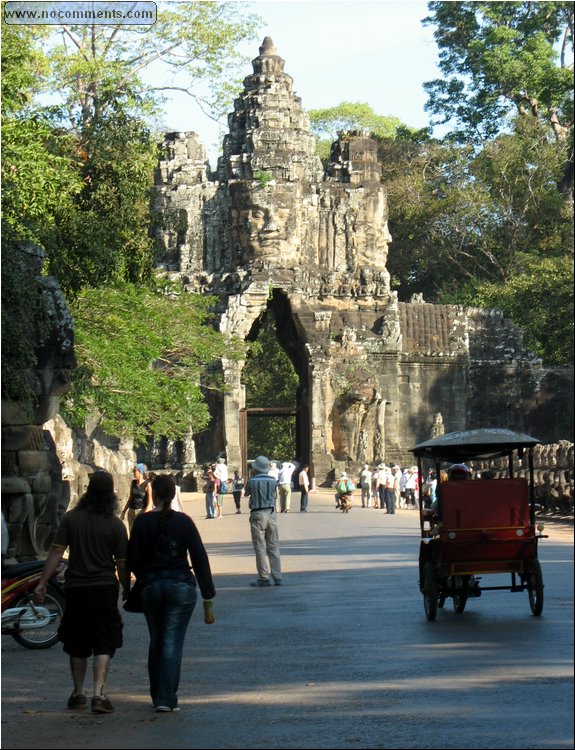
<point x="210" y="505"/>
<point x="168" y="605"/>
<point x="303" y="501"/>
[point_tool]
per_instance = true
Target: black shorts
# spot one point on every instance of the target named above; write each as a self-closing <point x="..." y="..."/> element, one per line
<point x="92" y="623"/>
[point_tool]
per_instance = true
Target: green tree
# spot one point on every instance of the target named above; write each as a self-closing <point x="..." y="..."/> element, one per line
<point x="37" y="179"/>
<point x="464" y="220"/>
<point x="538" y="297"/>
<point x="95" y="66"/>
<point x="38" y="176"/>
<point x="77" y="181"/>
<point x="500" y="58"/>
<point x="142" y="355"/>
<point x="327" y="123"/>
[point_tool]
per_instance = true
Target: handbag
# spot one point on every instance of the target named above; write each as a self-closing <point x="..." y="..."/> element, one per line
<point x="133" y="602"/>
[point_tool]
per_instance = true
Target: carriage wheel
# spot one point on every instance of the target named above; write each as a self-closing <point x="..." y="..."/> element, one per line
<point x="460" y="589"/>
<point x="430" y="591"/>
<point x="535" y="587"/>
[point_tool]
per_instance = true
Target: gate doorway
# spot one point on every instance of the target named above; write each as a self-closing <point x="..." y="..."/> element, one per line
<point x="275" y="420"/>
<point x="285" y="412"/>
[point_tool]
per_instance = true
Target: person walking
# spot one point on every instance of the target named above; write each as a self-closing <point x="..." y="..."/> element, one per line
<point x="92" y="626"/>
<point x="381" y="477"/>
<point x="221" y="474"/>
<point x="160" y="549"/>
<point x="304" y="488"/>
<point x="375" y="487"/>
<point x="260" y="489"/>
<point x="140" y="497"/>
<point x="237" y="490"/>
<point x="389" y="493"/>
<point x="396" y="472"/>
<point x="284" y="484"/>
<point x="210" y="490"/>
<point x="275" y="473"/>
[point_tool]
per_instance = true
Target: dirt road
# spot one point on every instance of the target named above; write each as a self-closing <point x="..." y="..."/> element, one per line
<point x="341" y="656"/>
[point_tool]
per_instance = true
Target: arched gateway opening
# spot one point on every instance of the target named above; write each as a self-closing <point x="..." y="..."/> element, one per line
<point x="276" y="418"/>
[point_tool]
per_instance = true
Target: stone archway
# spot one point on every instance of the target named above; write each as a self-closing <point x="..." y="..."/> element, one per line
<point x="236" y="410"/>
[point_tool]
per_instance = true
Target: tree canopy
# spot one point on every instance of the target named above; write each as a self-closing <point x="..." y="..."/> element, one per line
<point x="77" y="175"/>
<point x="345" y="117"/>
<point x="142" y="360"/>
<point x="500" y="59"/>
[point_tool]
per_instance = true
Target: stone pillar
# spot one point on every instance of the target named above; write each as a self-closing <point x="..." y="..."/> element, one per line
<point x="234" y="401"/>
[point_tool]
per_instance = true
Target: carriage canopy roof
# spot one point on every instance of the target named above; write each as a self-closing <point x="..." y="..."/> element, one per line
<point x="489" y="442"/>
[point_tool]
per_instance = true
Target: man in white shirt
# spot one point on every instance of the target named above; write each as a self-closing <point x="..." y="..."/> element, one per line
<point x="365" y="485"/>
<point x="304" y="488"/>
<point x="284" y="484"/>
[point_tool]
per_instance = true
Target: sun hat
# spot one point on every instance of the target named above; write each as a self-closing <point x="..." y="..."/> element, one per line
<point x="261" y="465"/>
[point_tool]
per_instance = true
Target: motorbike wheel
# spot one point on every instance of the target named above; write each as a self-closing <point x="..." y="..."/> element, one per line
<point x="535" y="588"/>
<point x="460" y="590"/>
<point x="430" y="591"/>
<point x="46" y="636"/>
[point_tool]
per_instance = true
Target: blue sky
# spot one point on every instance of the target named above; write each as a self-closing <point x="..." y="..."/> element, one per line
<point x="359" y="51"/>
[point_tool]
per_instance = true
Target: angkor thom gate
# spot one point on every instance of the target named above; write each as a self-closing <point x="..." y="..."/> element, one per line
<point x="272" y="231"/>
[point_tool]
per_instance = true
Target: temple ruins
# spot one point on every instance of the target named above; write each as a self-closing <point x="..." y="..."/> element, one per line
<point x="272" y="231"/>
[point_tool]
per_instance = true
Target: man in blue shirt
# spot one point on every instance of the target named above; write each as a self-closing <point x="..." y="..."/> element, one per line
<point x="261" y="490"/>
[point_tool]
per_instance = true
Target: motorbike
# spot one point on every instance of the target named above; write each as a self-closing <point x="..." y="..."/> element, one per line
<point x="345" y="503"/>
<point x="31" y="624"/>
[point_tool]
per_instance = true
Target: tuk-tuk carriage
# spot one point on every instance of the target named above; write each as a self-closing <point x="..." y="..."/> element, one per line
<point x="478" y="527"/>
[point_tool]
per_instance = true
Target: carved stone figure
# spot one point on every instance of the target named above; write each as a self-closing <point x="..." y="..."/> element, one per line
<point x="437" y="428"/>
<point x="350" y="415"/>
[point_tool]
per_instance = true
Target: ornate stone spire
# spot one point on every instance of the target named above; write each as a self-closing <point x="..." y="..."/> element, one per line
<point x="269" y="131"/>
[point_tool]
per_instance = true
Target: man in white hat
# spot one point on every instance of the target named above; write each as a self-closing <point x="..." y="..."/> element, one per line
<point x="261" y="490"/>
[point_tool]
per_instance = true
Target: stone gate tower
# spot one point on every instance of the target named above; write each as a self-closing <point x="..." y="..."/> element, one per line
<point x="273" y="231"/>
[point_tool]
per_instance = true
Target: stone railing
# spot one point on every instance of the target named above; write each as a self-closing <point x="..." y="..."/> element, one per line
<point x="553" y="475"/>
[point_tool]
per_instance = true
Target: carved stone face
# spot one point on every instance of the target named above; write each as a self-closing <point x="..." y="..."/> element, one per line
<point x="265" y="223"/>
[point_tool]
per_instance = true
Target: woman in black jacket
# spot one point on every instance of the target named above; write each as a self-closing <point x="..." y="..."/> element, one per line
<point x="159" y="552"/>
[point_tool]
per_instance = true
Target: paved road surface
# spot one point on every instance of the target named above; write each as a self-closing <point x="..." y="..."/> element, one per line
<point x="341" y="656"/>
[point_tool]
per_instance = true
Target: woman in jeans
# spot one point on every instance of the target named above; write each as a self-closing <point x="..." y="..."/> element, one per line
<point x="158" y="552"/>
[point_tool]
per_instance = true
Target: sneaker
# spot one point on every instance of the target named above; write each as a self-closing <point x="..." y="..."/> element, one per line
<point x="101" y="705"/>
<point x="277" y="581"/>
<point x="260" y="583"/>
<point x="77" y="701"/>
<point x="166" y="709"/>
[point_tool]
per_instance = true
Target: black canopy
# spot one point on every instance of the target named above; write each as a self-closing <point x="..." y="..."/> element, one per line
<point x="489" y="442"/>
